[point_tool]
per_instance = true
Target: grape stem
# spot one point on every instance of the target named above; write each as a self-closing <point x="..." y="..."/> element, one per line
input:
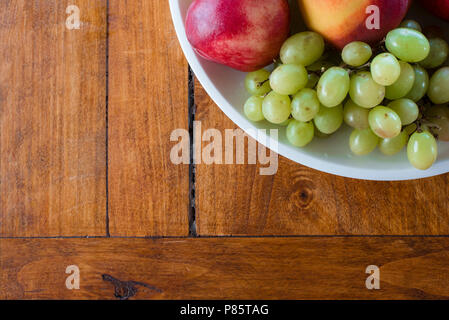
<point x="260" y="84"/>
<point x="345" y="66"/>
<point x="351" y="69"/>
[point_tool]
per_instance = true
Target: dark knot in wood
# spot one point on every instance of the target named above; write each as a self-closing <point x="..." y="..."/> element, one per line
<point x="124" y="290"/>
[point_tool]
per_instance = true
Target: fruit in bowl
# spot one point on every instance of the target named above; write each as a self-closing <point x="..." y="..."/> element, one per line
<point x="330" y="138"/>
<point x="368" y="88"/>
<point x="342" y="22"/>
<point x="243" y="34"/>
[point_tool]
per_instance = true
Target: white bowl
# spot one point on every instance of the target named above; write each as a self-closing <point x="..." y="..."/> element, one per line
<point x="226" y="88"/>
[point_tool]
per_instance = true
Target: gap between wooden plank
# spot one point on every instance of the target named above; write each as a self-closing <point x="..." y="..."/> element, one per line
<point x="192" y="110"/>
<point x="107" y="119"/>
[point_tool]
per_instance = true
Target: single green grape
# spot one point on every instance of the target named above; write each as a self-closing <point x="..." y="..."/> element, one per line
<point x="420" y="85"/>
<point x="253" y="108"/>
<point x="438" y="91"/>
<point x="305" y="105"/>
<point x="333" y="87"/>
<point x="403" y="85"/>
<point x="422" y="150"/>
<point x="363" y="142"/>
<point x="329" y="120"/>
<point x="300" y="133"/>
<point x="257" y="83"/>
<point x="355" y="116"/>
<point x="385" y="69"/>
<point x="394" y="145"/>
<point x="288" y="79"/>
<point x="411" y="24"/>
<point x="303" y="48"/>
<point x="356" y="53"/>
<point x="364" y="91"/>
<point x="384" y="122"/>
<point x="276" y="108"/>
<point x="439" y="51"/>
<point x="406" y="109"/>
<point x="313" y="80"/>
<point x="407" y="44"/>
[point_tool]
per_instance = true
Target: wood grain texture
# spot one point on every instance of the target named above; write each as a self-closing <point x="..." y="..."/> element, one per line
<point x="236" y="200"/>
<point x="52" y="119"/>
<point x="148" y="100"/>
<point x="301" y="268"/>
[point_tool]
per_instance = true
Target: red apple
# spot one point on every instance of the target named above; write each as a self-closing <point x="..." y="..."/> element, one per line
<point x="243" y="34"/>
<point x="439" y="8"/>
<point x="344" y="21"/>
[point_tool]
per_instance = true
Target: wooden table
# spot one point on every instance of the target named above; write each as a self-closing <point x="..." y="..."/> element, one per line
<point x="86" y="180"/>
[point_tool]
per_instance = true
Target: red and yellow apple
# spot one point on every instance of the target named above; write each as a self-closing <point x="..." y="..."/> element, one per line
<point x="243" y="34"/>
<point x="344" y="21"/>
<point x="439" y="8"/>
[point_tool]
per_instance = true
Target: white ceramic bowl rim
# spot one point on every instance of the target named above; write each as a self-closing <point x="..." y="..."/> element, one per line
<point x="321" y="164"/>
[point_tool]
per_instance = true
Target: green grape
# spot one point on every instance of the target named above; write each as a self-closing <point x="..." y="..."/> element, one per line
<point x="438" y="91"/>
<point x="253" y="108"/>
<point x="303" y="48"/>
<point x="333" y="87"/>
<point x="420" y="85"/>
<point x="257" y="83"/>
<point x="355" y="116"/>
<point x="329" y="120"/>
<point x="422" y="150"/>
<point x="385" y="69"/>
<point x="300" y="133"/>
<point x="305" y="105"/>
<point x="411" y="24"/>
<point x="384" y="122"/>
<point x="313" y="80"/>
<point x="406" y="109"/>
<point x="276" y="107"/>
<point x="356" y="53"/>
<point x="407" y="44"/>
<point x="288" y="79"/>
<point x="364" y="91"/>
<point x="403" y="85"/>
<point x="439" y="51"/>
<point x="394" y="145"/>
<point x="363" y="142"/>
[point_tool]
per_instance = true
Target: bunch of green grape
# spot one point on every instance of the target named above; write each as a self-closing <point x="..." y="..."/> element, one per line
<point x="394" y="96"/>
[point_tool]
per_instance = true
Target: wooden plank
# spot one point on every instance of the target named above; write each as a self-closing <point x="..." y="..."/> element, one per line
<point x="247" y="268"/>
<point x="52" y="119"/>
<point x="236" y="200"/>
<point x="148" y="100"/>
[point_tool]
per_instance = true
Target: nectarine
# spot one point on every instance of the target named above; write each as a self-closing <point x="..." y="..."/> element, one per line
<point x="344" y="21"/>
<point x="243" y="34"/>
